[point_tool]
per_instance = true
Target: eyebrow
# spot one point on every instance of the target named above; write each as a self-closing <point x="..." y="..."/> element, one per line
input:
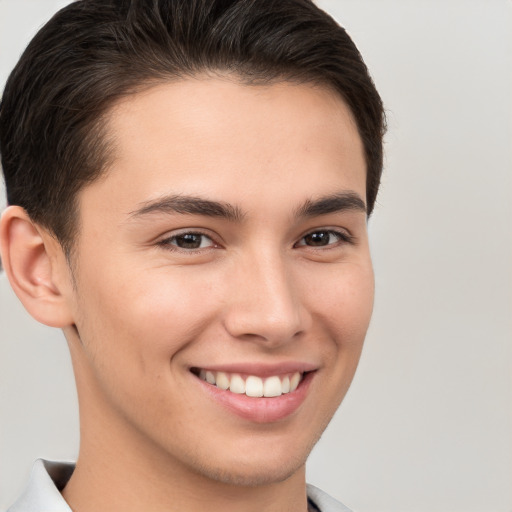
<point x="340" y="202"/>
<point x="191" y="205"/>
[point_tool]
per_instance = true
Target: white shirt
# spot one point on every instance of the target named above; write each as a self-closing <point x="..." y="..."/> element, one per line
<point x="42" y="493"/>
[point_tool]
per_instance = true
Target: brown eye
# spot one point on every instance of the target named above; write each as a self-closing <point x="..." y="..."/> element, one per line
<point x="188" y="241"/>
<point x="324" y="238"/>
<point x="318" y="238"/>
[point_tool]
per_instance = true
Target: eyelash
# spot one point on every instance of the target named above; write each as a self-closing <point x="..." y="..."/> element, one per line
<point x="342" y="236"/>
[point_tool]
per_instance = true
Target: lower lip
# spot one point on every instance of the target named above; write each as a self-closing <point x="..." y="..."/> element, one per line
<point x="260" y="410"/>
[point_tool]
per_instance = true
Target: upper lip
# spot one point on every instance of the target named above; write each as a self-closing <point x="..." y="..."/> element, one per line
<point x="261" y="369"/>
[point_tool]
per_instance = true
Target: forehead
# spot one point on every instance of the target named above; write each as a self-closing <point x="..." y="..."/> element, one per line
<point x="218" y="137"/>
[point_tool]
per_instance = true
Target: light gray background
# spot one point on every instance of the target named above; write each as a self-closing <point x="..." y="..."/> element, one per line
<point x="427" y="424"/>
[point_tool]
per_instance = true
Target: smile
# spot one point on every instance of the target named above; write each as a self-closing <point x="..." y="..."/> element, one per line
<point x="255" y="392"/>
<point x="252" y="385"/>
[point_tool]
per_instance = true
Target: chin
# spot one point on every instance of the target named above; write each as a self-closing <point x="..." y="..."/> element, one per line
<point x="252" y="475"/>
<point x="255" y="466"/>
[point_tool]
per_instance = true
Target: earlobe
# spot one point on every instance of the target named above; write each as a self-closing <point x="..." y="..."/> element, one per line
<point x="36" y="267"/>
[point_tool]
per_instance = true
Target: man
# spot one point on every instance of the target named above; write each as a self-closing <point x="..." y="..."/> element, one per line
<point x="188" y="184"/>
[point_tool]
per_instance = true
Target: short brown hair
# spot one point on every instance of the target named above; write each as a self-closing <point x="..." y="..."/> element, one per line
<point x="93" y="52"/>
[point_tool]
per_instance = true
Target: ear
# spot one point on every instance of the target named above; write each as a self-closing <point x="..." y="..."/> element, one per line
<point x="36" y="267"/>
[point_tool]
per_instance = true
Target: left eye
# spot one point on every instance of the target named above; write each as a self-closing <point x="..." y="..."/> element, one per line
<point x="322" y="238"/>
<point x="189" y="241"/>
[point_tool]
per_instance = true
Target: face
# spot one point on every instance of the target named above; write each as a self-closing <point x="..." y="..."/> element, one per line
<point x="224" y="256"/>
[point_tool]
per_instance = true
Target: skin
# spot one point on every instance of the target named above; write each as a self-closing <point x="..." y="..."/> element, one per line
<point x="142" y="311"/>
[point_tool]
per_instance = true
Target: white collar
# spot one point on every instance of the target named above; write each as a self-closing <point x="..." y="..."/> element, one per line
<point x="42" y="492"/>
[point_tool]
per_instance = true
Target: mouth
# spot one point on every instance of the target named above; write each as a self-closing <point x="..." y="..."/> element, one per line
<point x="252" y="385"/>
<point x="260" y="397"/>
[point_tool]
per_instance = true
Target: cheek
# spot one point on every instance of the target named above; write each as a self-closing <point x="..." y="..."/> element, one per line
<point x="342" y="308"/>
<point x="344" y="300"/>
<point x="132" y="330"/>
<point x="143" y="319"/>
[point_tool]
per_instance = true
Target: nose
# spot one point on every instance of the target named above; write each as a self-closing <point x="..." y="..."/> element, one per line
<point x="265" y="304"/>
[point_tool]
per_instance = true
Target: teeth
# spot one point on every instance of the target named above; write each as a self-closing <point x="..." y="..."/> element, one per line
<point x="253" y="386"/>
<point x="210" y="378"/>
<point x="222" y="380"/>
<point x="294" y="381"/>
<point x="272" y="387"/>
<point x="237" y="385"/>
<point x="285" y="385"/>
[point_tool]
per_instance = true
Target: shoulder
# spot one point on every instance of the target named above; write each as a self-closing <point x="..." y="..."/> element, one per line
<point x="324" y="502"/>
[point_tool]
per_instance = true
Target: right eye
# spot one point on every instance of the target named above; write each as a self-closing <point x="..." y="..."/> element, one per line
<point x="189" y="241"/>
